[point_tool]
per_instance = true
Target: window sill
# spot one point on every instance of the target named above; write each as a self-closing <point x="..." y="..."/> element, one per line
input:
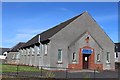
<point x="98" y="61"/>
<point x="74" y="61"/>
<point x="108" y="62"/>
<point x="45" y="55"/>
<point x="38" y="54"/>
<point x="59" y="62"/>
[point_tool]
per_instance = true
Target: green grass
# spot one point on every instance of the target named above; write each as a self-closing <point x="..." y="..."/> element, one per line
<point x="13" y="68"/>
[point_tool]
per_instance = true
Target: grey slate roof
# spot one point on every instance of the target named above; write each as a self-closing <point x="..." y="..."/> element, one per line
<point x="2" y="50"/>
<point x="50" y="32"/>
<point x="16" y="47"/>
<point x="32" y="41"/>
<point x="117" y="47"/>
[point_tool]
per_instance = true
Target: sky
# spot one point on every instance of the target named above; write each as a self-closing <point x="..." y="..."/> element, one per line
<point x="23" y="20"/>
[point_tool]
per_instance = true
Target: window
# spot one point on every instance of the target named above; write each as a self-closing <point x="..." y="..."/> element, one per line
<point x="46" y="49"/>
<point x="116" y="55"/>
<point x="38" y="50"/>
<point x="98" y="57"/>
<point x="108" y="57"/>
<point x="33" y="51"/>
<point x="74" y="56"/>
<point x="13" y="56"/>
<point x="59" y="55"/>
<point x="24" y="51"/>
<point x="28" y="51"/>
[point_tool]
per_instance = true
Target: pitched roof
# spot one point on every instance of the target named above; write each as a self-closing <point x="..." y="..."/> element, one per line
<point x="117" y="47"/>
<point x="50" y="32"/>
<point x="32" y="41"/>
<point x="2" y="50"/>
<point x="17" y="46"/>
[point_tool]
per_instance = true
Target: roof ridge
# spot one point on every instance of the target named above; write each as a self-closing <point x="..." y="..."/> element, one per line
<point x="52" y="31"/>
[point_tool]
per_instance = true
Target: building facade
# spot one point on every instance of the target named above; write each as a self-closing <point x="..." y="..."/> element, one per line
<point x="77" y="43"/>
<point x="13" y="55"/>
<point x="3" y="53"/>
<point x="117" y="52"/>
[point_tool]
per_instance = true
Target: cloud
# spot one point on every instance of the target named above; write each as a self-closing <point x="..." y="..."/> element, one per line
<point x="103" y="18"/>
<point x="64" y="9"/>
<point x="30" y="31"/>
<point x="22" y="36"/>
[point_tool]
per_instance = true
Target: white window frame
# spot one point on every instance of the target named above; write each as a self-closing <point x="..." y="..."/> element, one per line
<point x="28" y="50"/>
<point x="32" y="51"/>
<point x="24" y="51"/>
<point x="116" y="55"/>
<point x="38" y="50"/>
<point x="74" y="56"/>
<point x="46" y="49"/>
<point x="98" y="57"/>
<point x="60" y="61"/>
<point x="21" y="52"/>
<point x="108" y="57"/>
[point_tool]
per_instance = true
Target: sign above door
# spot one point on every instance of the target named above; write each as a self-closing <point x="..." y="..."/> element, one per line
<point x="87" y="51"/>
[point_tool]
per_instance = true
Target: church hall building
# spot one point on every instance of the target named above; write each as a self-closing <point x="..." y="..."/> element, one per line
<point x="78" y="43"/>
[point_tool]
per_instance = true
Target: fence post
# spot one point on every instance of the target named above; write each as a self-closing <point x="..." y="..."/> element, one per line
<point x="118" y="71"/>
<point x="41" y="71"/>
<point x="66" y="73"/>
<point x="94" y="74"/>
<point x="17" y="70"/>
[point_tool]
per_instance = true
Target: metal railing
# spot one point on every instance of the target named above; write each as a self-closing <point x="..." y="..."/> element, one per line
<point x="60" y="72"/>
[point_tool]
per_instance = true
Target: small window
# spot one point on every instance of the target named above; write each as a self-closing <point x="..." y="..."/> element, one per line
<point x="28" y="51"/>
<point x="24" y="52"/>
<point x="74" y="56"/>
<point x="116" y="55"/>
<point x="46" y="49"/>
<point x="13" y="56"/>
<point x="32" y="51"/>
<point x="59" y="55"/>
<point x="38" y="51"/>
<point x="108" y="57"/>
<point x="98" y="57"/>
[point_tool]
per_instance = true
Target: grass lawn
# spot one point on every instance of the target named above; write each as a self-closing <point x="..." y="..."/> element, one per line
<point x="13" y="68"/>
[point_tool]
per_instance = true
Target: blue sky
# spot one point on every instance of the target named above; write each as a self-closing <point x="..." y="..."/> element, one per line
<point x="23" y="20"/>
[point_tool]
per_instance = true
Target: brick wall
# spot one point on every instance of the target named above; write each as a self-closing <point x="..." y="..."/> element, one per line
<point x="91" y="63"/>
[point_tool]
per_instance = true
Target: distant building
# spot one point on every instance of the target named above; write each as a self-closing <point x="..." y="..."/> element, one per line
<point x="117" y="52"/>
<point x="3" y="53"/>
<point x="77" y="43"/>
<point x="13" y="55"/>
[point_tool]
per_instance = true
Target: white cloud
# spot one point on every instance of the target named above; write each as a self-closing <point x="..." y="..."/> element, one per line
<point x="30" y="31"/>
<point x="22" y="36"/>
<point x="64" y="9"/>
<point x="103" y="18"/>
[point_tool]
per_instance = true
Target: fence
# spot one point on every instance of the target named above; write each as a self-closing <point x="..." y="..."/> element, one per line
<point x="58" y="73"/>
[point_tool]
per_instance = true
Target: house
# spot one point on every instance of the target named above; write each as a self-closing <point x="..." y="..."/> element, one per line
<point x="3" y="53"/>
<point x="117" y="52"/>
<point x="78" y="43"/>
<point x="13" y="54"/>
<point x="117" y="55"/>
